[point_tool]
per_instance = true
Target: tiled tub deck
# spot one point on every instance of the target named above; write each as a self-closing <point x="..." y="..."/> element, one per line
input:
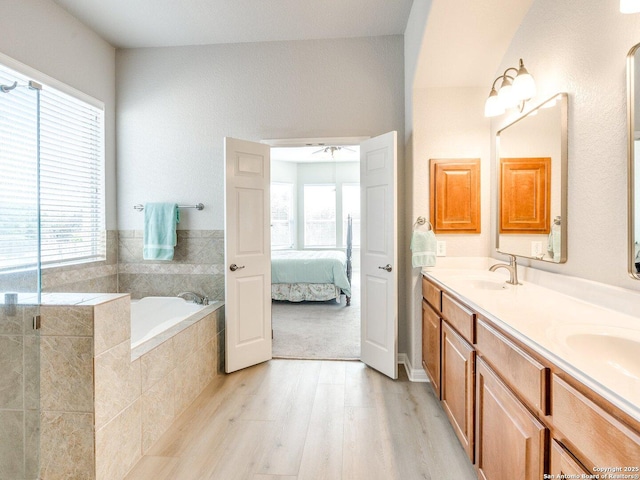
<point x="104" y="405"/>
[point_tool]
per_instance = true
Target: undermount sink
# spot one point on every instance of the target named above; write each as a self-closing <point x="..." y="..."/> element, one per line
<point x="483" y="281"/>
<point x="483" y="284"/>
<point x="616" y="347"/>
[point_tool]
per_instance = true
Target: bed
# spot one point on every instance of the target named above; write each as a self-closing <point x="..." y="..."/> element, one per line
<point x="312" y="275"/>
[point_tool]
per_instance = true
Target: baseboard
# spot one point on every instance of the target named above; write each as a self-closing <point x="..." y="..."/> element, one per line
<point x="414" y="374"/>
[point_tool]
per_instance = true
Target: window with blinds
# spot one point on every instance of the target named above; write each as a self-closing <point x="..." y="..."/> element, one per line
<point x="53" y="160"/>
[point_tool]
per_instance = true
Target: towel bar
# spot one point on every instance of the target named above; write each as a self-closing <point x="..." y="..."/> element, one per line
<point x="199" y="206"/>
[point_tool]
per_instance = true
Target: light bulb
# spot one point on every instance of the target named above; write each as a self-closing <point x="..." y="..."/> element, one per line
<point x="493" y="107"/>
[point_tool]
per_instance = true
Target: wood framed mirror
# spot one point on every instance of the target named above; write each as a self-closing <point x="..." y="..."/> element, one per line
<point x="531" y="164"/>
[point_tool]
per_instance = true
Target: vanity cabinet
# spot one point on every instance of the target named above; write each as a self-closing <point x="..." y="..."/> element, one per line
<point x="431" y="345"/>
<point x="597" y="438"/>
<point x="510" y="442"/>
<point x="517" y="414"/>
<point x="457" y="382"/>
<point x="563" y="463"/>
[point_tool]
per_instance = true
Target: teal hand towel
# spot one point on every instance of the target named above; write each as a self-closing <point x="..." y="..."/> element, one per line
<point x="423" y="247"/>
<point x="160" y="224"/>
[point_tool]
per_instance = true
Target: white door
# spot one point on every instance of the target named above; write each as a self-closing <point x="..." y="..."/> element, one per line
<point x="247" y="254"/>
<point x="379" y="255"/>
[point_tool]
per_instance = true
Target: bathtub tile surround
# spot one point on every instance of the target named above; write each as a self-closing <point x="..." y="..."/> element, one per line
<point x="19" y="392"/>
<point x="99" y="277"/>
<point x="197" y="265"/>
<point x="126" y="399"/>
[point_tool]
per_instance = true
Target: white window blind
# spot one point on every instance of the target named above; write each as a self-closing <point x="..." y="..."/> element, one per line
<point x="71" y="176"/>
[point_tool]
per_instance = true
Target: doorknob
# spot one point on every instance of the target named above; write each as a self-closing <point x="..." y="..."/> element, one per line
<point x="387" y="267"/>
<point x="233" y="267"/>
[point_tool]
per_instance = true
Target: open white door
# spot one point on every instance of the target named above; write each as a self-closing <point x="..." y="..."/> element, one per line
<point x="247" y="254"/>
<point x="379" y="255"/>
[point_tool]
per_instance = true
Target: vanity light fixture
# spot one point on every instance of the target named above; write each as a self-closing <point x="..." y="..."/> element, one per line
<point x="629" y="6"/>
<point x="514" y="91"/>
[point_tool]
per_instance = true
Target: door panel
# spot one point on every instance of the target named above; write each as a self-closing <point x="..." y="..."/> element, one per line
<point x="379" y="257"/>
<point x="247" y="254"/>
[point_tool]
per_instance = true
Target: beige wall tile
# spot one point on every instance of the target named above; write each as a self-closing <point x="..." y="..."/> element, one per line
<point x="66" y="374"/>
<point x="118" y="444"/>
<point x="118" y="382"/>
<point x="112" y="323"/>
<point x="74" y="321"/>
<point x="66" y="448"/>
<point x="11" y="444"/>
<point x="11" y="371"/>
<point x="11" y="324"/>
<point x="158" y="410"/>
<point x="187" y="383"/>
<point x="157" y="364"/>
<point x="185" y="343"/>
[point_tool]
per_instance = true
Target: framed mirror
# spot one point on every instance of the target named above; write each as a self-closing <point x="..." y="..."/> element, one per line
<point x="531" y="164"/>
<point x="633" y="134"/>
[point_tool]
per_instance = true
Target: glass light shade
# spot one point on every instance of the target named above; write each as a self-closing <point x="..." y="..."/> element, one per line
<point x="524" y="87"/>
<point x="506" y="96"/>
<point x="493" y="107"/>
<point x="629" y="6"/>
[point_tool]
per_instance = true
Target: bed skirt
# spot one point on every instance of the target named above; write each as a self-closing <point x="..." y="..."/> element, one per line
<point x="304" y="292"/>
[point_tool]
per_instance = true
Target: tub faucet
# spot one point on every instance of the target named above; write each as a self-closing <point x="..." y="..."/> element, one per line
<point x="512" y="267"/>
<point x="197" y="299"/>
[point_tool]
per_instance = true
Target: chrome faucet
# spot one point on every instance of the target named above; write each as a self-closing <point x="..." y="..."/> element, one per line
<point x="197" y="299"/>
<point x="512" y="267"/>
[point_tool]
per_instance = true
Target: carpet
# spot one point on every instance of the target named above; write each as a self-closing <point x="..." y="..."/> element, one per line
<point x="317" y="330"/>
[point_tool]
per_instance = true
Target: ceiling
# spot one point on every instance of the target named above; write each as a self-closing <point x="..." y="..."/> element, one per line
<point x="463" y="44"/>
<point x="162" y="23"/>
<point x="317" y="154"/>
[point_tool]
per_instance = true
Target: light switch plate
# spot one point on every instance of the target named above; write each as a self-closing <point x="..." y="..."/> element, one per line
<point x="441" y="248"/>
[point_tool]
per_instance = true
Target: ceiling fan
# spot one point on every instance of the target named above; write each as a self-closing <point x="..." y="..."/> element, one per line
<point x="332" y="150"/>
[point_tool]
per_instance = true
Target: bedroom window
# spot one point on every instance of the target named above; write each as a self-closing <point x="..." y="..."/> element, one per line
<point x="281" y="215"/>
<point x="319" y="216"/>
<point x="62" y="187"/>
<point x="351" y="206"/>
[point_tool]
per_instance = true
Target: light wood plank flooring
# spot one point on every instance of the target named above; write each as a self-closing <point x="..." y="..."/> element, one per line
<point x="302" y="419"/>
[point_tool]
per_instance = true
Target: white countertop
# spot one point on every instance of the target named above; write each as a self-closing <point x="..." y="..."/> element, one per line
<point x="599" y="346"/>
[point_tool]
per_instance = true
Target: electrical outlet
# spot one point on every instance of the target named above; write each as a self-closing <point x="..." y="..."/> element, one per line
<point x="536" y="249"/>
<point x="441" y="248"/>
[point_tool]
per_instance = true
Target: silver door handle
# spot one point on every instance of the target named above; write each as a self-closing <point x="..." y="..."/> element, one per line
<point x="233" y="267"/>
<point x="387" y="267"/>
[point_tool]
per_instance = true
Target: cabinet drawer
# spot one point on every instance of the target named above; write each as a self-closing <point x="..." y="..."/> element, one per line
<point x="597" y="439"/>
<point x="459" y="316"/>
<point x="523" y="374"/>
<point x="563" y="463"/>
<point x="431" y="294"/>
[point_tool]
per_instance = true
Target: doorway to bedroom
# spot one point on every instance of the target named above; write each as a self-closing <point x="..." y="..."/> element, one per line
<point x="315" y="242"/>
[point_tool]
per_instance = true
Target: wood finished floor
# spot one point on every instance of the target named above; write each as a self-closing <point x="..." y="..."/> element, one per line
<point x="304" y="419"/>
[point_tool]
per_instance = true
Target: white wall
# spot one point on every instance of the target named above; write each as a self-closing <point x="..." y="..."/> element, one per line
<point x="410" y="325"/>
<point x="447" y="123"/>
<point x="43" y="36"/>
<point x="580" y="47"/>
<point x="175" y="105"/>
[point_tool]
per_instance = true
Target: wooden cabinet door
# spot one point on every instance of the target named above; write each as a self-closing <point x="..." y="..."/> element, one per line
<point x="456" y="385"/>
<point x="431" y="345"/>
<point x="525" y="195"/>
<point x="455" y="195"/>
<point x="510" y="441"/>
